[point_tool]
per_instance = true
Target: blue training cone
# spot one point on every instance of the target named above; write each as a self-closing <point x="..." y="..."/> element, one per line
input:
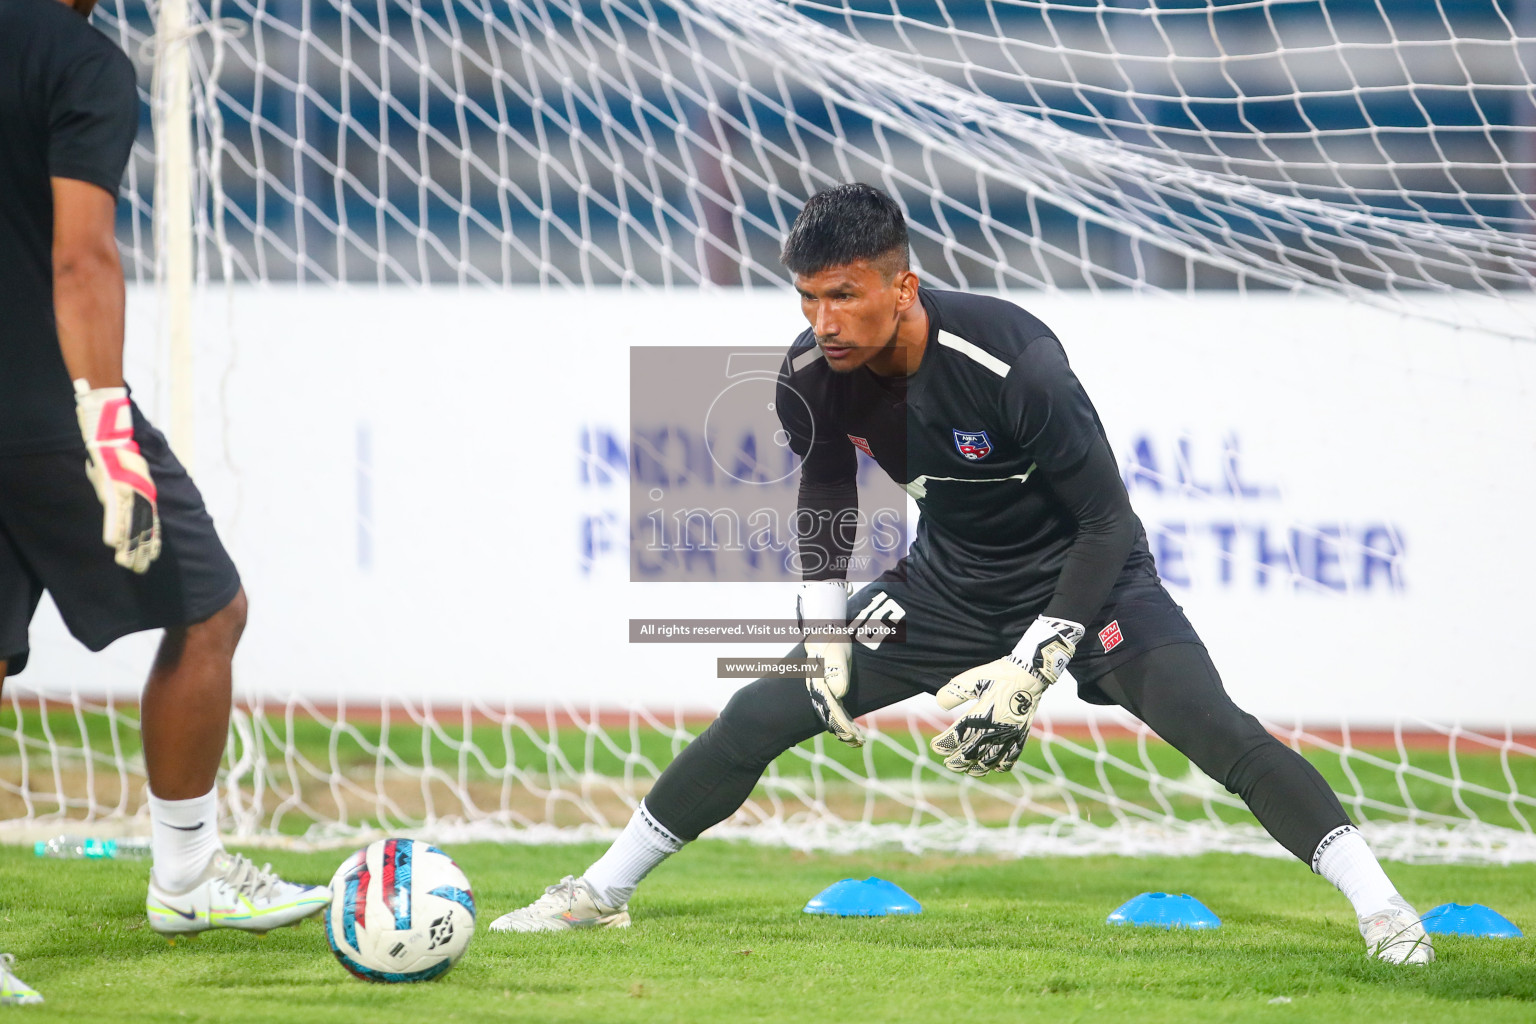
<point x="1164" y="910"/>
<point x="1469" y="919"/>
<point x="873" y="897"/>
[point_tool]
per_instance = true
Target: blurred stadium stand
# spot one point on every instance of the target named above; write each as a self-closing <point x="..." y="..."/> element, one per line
<point x="481" y="142"/>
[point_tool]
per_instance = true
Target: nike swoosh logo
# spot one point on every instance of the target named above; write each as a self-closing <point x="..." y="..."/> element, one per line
<point x="190" y="915"/>
<point x="187" y="828"/>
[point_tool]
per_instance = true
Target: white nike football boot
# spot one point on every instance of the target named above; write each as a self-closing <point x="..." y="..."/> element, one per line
<point x="1396" y="935"/>
<point x="566" y="905"/>
<point x="14" y="991"/>
<point x="232" y="893"/>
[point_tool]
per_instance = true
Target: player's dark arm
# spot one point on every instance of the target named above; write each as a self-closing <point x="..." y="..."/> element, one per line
<point x="826" y="521"/>
<point x="827" y="505"/>
<point x="826" y="516"/>
<point x="88" y="293"/>
<point x="1051" y="416"/>
<point x="1094" y="495"/>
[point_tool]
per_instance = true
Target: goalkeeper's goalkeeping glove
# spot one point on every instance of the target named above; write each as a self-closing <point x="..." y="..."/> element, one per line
<point x="823" y="603"/>
<point x="130" y="523"/>
<point x="990" y="736"/>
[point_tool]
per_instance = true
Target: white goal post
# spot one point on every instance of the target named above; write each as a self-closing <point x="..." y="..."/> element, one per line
<point x="330" y="166"/>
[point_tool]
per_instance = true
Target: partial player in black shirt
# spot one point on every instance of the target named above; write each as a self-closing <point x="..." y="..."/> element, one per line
<point x="94" y="508"/>
<point x="1028" y="559"/>
<point x="69" y="116"/>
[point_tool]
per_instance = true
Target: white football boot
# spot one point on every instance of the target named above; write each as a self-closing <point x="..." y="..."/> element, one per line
<point x="1396" y="935"/>
<point x="14" y="991"/>
<point x="232" y="893"/>
<point x="566" y="905"/>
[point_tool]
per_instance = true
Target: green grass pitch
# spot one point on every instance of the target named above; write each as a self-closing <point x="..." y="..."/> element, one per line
<point x="719" y="936"/>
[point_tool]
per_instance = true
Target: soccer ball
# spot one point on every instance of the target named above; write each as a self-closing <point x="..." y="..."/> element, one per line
<point x="401" y="910"/>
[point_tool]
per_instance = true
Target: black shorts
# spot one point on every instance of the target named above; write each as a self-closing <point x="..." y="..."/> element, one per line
<point x="914" y="635"/>
<point x="50" y="539"/>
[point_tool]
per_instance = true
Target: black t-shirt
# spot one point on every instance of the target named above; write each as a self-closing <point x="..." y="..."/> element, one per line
<point x="994" y="438"/>
<point x="69" y="108"/>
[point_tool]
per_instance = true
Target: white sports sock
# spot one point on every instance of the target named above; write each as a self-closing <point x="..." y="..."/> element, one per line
<point x="184" y="836"/>
<point x="1345" y="860"/>
<point x="642" y="845"/>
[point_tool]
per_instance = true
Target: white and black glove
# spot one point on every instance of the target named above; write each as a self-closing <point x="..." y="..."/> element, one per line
<point x="990" y="736"/>
<point x="824" y="604"/>
<point x="130" y="523"/>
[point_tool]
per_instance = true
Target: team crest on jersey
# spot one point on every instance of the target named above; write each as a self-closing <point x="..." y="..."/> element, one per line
<point x="973" y="444"/>
<point x="862" y="445"/>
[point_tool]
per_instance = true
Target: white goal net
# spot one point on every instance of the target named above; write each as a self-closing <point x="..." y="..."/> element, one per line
<point x="1371" y="153"/>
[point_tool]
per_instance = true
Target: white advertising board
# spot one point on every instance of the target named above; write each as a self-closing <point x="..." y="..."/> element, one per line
<point x="426" y="492"/>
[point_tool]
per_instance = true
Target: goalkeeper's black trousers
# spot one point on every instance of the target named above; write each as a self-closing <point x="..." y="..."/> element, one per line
<point x="1174" y="689"/>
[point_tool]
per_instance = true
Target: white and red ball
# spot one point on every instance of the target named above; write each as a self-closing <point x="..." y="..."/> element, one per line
<point x="401" y="910"/>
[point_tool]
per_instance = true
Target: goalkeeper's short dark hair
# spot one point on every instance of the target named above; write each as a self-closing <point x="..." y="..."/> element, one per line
<point x="845" y="223"/>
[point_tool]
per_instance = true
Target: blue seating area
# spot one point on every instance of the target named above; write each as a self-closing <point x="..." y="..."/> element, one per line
<point x="632" y="158"/>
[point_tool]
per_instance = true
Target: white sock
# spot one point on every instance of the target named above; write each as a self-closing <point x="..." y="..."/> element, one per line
<point x="642" y="845"/>
<point x="1345" y="860"/>
<point x="184" y="836"/>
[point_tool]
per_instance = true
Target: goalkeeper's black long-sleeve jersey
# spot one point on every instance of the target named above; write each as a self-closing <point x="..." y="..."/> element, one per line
<point x="993" y="436"/>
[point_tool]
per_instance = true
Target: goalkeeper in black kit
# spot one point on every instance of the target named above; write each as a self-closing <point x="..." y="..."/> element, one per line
<point x="1028" y="559"/>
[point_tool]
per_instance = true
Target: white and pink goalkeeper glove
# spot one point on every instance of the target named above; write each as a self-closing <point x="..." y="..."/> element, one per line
<point x="130" y="521"/>
<point x="990" y="736"/>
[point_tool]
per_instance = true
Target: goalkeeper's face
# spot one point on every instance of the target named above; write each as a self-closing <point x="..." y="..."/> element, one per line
<point x="856" y="310"/>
